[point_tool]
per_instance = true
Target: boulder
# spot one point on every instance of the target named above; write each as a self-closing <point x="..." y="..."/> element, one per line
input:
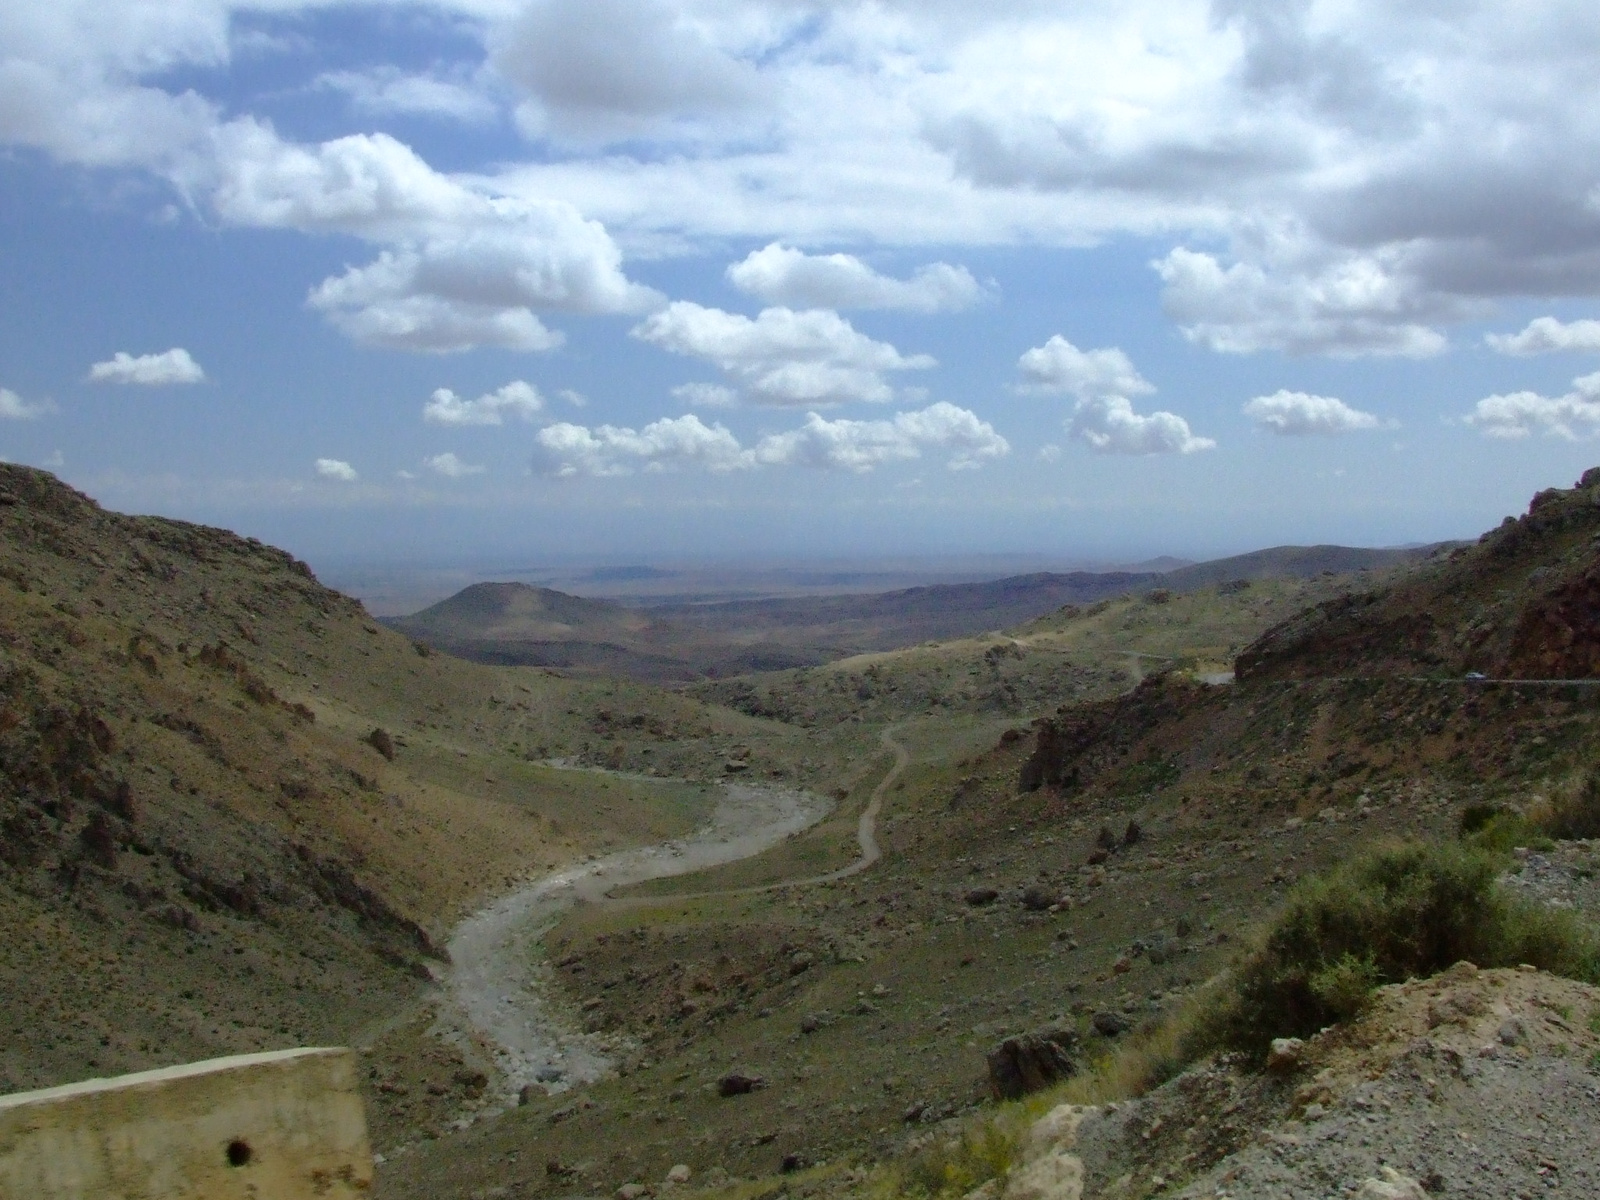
<point x="1038" y="899"/>
<point x="981" y="896"/>
<point x="739" y="1083"/>
<point x="1285" y="1056"/>
<point x="1109" y="1024"/>
<point x="1031" y="1061"/>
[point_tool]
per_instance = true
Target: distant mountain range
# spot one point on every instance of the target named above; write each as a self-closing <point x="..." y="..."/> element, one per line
<point x="515" y="623"/>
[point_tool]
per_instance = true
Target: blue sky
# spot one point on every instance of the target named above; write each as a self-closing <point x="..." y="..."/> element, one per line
<point x="522" y="279"/>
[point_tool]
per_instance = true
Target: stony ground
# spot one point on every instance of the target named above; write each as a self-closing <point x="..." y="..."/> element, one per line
<point x="1473" y="1084"/>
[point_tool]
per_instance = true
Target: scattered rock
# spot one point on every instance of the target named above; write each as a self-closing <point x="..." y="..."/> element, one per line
<point x="631" y="1191"/>
<point x="1038" y="899"/>
<point x="679" y="1174"/>
<point x="380" y="741"/>
<point x="1286" y="1055"/>
<point x="739" y="1083"/>
<point x="981" y="896"/>
<point x="1109" y="1024"/>
<point x="1031" y="1061"/>
<point x="1390" y="1185"/>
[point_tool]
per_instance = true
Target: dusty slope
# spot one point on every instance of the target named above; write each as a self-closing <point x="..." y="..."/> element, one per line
<point x="200" y="850"/>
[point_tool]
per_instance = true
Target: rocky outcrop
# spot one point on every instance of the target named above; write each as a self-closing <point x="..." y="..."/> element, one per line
<point x="1030" y="1062"/>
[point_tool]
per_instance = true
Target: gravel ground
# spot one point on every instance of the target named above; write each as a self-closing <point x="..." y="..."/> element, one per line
<point x="1473" y="1084"/>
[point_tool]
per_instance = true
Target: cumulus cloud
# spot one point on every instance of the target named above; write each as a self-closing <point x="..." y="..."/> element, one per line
<point x="1573" y="416"/>
<point x="150" y="370"/>
<point x="387" y="90"/>
<point x="1299" y="414"/>
<point x="1059" y="366"/>
<point x="1103" y="417"/>
<point x="1110" y="426"/>
<point x="856" y="446"/>
<point x="782" y="357"/>
<point x="567" y="449"/>
<point x="607" y="69"/>
<point x="337" y="470"/>
<point x="780" y="274"/>
<point x="1546" y="335"/>
<point x="444" y="407"/>
<point x="14" y="408"/>
<point x="1359" y="125"/>
<point x="1356" y="306"/>
<point x="862" y="445"/>
<point x="451" y="467"/>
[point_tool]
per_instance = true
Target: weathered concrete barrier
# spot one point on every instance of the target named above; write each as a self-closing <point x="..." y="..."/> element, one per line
<point x="282" y="1126"/>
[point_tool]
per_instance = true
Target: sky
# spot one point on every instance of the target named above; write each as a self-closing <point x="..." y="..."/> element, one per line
<point x="652" y="279"/>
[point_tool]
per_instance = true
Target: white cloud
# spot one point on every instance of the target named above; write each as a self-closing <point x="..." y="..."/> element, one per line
<point x="337" y="470"/>
<point x="862" y="445"/>
<point x="387" y="90"/>
<point x="575" y="398"/>
<point x="1059" y="366"/>
<point x="567" y="450"/>
<point x="1546" y="335"/>
<point x="780" y="274"/>
<point x="706" y="395"/>
<point x="1517" y="415"/>
<point x="444" y="407"/>
<point x="858" y="446"/>
<point x="1299" y="414"/>
<point x="151" y="370"/>
<point x="782" y="357"/>
<point x="451" y="467"/>
<point x="1110" y="426"/>
<point x="1360" y="125"/>
<point x="14" y="408"/>
<point x="1355" y="306"/>
<point x="597" y="70"/>
<point x="1103" y="416"/>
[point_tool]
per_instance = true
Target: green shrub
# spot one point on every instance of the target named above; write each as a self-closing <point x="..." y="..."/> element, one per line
<point x="1395" y="913"/>
<point x="1505" y="830"/>
<point x="1577" y="815"/>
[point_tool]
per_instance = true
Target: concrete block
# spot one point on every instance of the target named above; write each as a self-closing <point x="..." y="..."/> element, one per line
<point x="288" y="1125"/>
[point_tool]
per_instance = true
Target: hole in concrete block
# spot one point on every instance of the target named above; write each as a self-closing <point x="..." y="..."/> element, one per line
<point x="239" y="1152"/>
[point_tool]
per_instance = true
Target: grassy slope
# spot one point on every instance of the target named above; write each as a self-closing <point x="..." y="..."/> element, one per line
<point x="200" y="854"/>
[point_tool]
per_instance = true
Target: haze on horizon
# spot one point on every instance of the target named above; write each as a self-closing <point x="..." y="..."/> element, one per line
<point x="649" y="280"/>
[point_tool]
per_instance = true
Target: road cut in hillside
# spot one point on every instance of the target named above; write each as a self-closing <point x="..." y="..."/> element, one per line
<point x="499" y="979"/>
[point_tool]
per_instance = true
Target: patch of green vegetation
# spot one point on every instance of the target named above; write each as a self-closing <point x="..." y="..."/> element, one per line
<point x="950" y="1167"/>
<point x="1151" y="773"/>
<point x="1502" y="830"/>
<point x="1577" y="815"/>
<point x="1398" y="912"/>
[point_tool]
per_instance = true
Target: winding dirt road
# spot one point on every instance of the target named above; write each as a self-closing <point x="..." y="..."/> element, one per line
<point x="501" y="982"/>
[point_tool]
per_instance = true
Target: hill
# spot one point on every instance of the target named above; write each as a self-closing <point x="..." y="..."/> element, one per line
<point x="515" y="623"/>
<point x="518" y="624"/>
<point x="238" y="814"/>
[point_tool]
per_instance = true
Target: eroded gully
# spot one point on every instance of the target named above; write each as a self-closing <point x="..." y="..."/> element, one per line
<point x="501" y="982"/>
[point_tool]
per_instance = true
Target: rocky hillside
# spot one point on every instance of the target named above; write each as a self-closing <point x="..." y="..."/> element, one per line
<point x="1472" y="1083"/>
<point x="1521" y="603"/>
<point x="236" y="813"/>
